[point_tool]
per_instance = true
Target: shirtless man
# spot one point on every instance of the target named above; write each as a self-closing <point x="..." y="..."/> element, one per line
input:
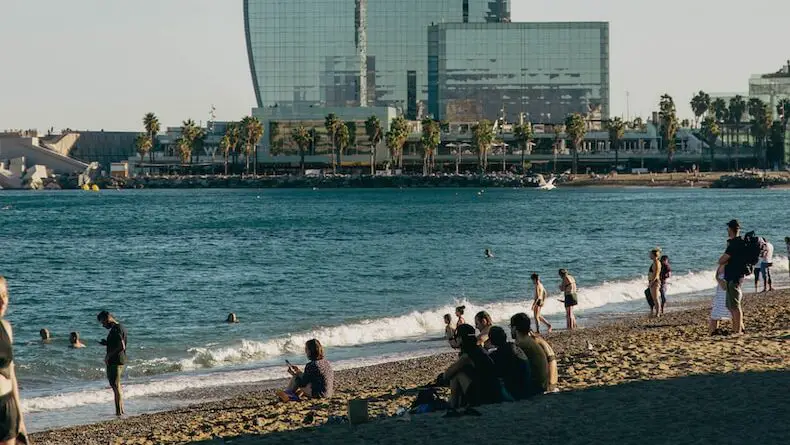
<point x="542" y="360"/>
<point x="538" y="302"/>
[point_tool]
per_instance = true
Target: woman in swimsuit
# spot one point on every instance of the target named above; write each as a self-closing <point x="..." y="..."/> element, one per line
<point x="654" y="283"/>
<point x="538" y="302"/>
<point x="568" y="288"/>
<point x="12" y="424"/>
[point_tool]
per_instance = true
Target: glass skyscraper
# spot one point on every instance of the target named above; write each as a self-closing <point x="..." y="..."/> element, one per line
<point x="541" y="71"/>
<point x="350" y="52"/>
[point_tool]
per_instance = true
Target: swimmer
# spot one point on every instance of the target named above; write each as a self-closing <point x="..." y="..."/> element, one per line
<point x="232" y="318"/>
<point x="489" y="254"/>
<point x="74" y="341"/>
<point x="46" y="337"/>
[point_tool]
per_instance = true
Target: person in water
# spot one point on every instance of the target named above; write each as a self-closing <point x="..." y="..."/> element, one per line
<point x="46" y="337"/>
<point x="489" y="254"/>
<point x="12" y="422"/>
<point x="483" y="324"/>
<point x="654" y="283"/>
<point x="538" y="302"/>
<point x="316" y="382"/>
<point x="74" y="341"/>
<point x="568" y="288"/>
<point x="666" y="274"/>
<point x="232" y="318"/>
<point x="459" y="312"/>
<point x="449" y="331"/>
<point x="115" y="358"/>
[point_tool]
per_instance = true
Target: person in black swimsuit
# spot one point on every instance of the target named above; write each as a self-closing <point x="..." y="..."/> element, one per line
<point x="12" y="424"/>
<point x="116" y="356"/>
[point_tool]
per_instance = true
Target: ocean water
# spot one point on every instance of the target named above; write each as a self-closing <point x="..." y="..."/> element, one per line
<point x="368" y="272"/>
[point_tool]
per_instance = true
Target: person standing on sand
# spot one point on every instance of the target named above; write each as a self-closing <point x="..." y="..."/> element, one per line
<point x="764" y="267"/>
<point x="568" y="288"/>
<point x="12" y="423"/>
<point x="666" y="274"/>
<point x="115" y="359"/>
<point x="538" y="302"/>
<point x="734" y="262"/>
<point x="542" y="360"/>
<point x="719" y="310"/>
<point x="654" y="283"/>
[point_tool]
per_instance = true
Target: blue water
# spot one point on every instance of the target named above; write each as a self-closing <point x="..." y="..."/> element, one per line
<point x="369" y="272"/>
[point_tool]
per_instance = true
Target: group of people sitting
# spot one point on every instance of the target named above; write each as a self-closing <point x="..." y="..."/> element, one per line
<point x="490" y="369"/>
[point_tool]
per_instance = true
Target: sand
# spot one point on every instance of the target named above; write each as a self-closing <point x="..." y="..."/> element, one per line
<point x="644" y="380"/>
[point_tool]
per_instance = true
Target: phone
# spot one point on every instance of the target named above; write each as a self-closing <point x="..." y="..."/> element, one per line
<point x="288" y="363"/>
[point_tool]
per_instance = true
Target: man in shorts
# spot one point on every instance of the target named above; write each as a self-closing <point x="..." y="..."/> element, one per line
<point x="115" y="359"/>
<point x="734" y="261"/>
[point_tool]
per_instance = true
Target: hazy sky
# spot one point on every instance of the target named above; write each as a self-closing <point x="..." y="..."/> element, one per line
<point x="93" y="64"/>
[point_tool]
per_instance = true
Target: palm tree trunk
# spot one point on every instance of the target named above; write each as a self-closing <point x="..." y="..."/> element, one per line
<point x="457" y="160"/>
<point x="616" y="154"/>
<point x="372" y="160"/>
<point x="523" y="149"/>
<point x="301" y="161"/>
<point x="226" y="164"/>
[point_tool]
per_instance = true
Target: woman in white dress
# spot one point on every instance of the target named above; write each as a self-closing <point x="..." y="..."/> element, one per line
<point x="719" y="312"/>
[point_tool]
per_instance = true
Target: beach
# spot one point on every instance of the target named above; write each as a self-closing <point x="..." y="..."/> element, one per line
<point x="630" y="379"/>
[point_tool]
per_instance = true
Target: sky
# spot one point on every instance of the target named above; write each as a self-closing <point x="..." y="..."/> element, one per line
<point x="99" y="64"/>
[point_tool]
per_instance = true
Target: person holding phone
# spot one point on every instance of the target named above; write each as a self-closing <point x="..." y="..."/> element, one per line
<point x="315" y="382"/>
<point x="115" y="359"/>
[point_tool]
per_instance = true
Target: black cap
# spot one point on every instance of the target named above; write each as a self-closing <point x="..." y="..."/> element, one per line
<point x="734" y="224"/>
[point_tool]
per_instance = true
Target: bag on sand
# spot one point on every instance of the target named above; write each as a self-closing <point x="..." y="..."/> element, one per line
<point x="427" y="401"/>
<point x="753" y="245"/>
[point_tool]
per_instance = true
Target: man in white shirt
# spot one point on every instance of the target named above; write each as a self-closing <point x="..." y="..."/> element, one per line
<point x="764" y="267"/>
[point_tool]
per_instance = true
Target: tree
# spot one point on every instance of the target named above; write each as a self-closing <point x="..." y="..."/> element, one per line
<point x="342" y="139"/>
<point x="225" y="146"/>
<point x="576" y="129"/>
<point x="184" y="149"/>
<point x="700" y="104"/>
<point x="760" y="126"/>
<point x="186" y="143"/>
<point x="142" y="144"/>
<point x="482" y="138"/>
<point x="616" y="129"/>
<point x="558" y="130"/>
<point x="374" y="133"/>
<point x="152" y="127"/>
<point x="233" y="132"/>
<point x="522" y="135"/>
<point x="352" y="135"/>
<point x="736" y="109"/>
<point x="783" y="110"/>
<point x="303" y="138"/>
<point x="777" y="143"/>
<point x="431" y="138"/>
<point x="710" y="132"/>
<point x="668" y="120"/>
<point x="251" y="132"/>
<point x="396" y="137"/>
<point x="332" y="124"/>
<point x="199" y="141"/>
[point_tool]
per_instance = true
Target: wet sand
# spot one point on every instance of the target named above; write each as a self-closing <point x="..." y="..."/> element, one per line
<point x="644" y="380"/>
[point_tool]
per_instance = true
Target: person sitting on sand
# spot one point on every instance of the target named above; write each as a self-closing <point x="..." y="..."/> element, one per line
<point x="46" y="337"/>
<point x="654" y="282"/>
<point x="719" y="310"/>
<point x="666" y="274"/>
<point x="511" y="365"/>
<point x="542" y="360"/>
<point x="459" y="312"/>
<point x="568" y="288"/>
<point x="472" y="378"/>
<point x="316" y="382"/>
<point x="483" y="324"/>
<point x="232" y="318"/>
<point x="538" y="302"/>
<point x="74" y="341"/>
<point x="449" y="331"/>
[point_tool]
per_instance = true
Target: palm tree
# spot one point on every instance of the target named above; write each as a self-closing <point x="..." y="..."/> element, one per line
<point x="700" y="104"/>
<point x="558" y="130"/>
<point x="482" y="138"/>
<point x="352" y="135"/>
<point x="431" y="138"/>
<point x="184" y="149"/>
<point x="374" y="133"/>
<point x="152" y="127"/>
<point x="225" y="146"/>
<point x="710" y="131"/>
<point x="616" y="129"/>
<point x="199" y="141"/>
<point x="186" y="143"/>
<point x="332" y="124"/>
<point x="669" y="125"/>
<point x="303" y="138"/>
<point x="234" y="138"/>
<point x="576" y="128"/>
<point x="777" y="141"/>
<point x="143" y="145"/>
<point x="251" y="131"/>
<point x="737" y="108"/>
<point x="397" y="136"/>
<point x="522" y="135"/>
<point x="760" y="127"/>
<point x="342" y="139"/>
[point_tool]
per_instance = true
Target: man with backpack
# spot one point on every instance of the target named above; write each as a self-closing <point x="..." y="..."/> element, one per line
<point x="738" y="260"/>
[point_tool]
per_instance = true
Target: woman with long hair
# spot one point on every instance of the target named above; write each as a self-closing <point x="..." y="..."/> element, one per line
<point x="316" y="381"/>
<point x="12" y="423"/>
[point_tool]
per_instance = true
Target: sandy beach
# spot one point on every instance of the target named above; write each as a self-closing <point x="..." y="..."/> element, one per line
<point x="643" y="380"/>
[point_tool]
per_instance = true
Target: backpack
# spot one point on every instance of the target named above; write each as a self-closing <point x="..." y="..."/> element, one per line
<point x="753" y="245"/>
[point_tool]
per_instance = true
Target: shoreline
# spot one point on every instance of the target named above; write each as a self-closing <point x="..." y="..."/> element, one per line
<point x="629" y="349"/>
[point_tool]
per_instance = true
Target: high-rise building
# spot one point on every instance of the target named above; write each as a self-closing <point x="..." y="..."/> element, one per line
<point x="537" y="71"/>
<point x="347" y="53"/>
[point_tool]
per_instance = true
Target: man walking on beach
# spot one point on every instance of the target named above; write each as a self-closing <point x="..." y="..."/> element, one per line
<point x="115" y="359"/>
<point x="734" y="261"/>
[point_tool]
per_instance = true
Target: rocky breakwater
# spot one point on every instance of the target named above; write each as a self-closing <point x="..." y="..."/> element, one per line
<point x="751" y="181"/>
<point x="334" y="181"/>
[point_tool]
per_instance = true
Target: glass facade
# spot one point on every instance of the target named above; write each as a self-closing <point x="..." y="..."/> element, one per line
<point x="543" y="70"/>
<point x="335" y="52"/>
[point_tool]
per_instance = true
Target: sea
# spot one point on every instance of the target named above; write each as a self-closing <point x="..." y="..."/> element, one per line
<point x="369" y="273"/>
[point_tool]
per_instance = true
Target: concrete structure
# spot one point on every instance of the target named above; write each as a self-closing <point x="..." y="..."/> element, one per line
<point x="543" y="71"/>
<point x="343" y="53"/>
<point x="771" y="87"/>
<point x="34" y="154"/>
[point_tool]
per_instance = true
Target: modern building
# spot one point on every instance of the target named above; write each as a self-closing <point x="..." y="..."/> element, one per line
<point x="348" y="53"/>
<point x="771" y="87"/>
<point x="540" y="72"/>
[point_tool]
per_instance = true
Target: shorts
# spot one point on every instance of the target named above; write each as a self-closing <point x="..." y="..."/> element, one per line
<point x="9" y="417"/>
<point x="539" y="303"/>
<point x="734" y="295"/>
<point x="114" y="373"/>
<point x="570" y="300"/>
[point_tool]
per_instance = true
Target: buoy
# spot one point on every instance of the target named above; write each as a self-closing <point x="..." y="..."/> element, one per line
<point x="94" y="188"/>
<point x="85" y="187"/>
